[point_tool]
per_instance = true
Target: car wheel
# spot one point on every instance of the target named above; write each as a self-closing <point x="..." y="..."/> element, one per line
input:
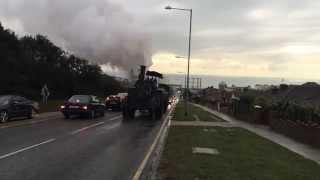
<point x="92" y="114"/>
<point x="4" y="116"/>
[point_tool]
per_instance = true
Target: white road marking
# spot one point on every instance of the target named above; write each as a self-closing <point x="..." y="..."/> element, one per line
<point x="26" y="148"/>
<point x="93" y="125"/>
<point x="115" y="118"/>
<point x="143" y="164"/>
<point x="85" y="128"/>
<point x="28" y="122"/>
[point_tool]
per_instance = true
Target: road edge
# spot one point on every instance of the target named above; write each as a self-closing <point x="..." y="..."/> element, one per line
<point x="148" y="167"/>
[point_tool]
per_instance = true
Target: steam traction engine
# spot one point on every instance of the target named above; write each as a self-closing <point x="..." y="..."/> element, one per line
<point x="147" y="95"/>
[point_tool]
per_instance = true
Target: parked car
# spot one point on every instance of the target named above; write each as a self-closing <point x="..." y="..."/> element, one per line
<point x="83" y="105"/>
<point x="12" y="106"/>
<point x="115" y="101"/>
<point x="122" y="96"/>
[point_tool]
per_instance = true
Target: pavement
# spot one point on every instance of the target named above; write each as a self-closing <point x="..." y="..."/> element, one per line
<point x="304" y="150"/>
<point x="50" y="147"/>
<point x="202" y="124"/>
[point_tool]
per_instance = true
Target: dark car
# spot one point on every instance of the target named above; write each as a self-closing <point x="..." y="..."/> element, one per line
<point x="113" y="102"/>
<point x="12" y="106"/>
<point x="83" y="105"/>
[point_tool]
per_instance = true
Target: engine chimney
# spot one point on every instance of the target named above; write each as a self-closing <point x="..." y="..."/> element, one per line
<point x="142" y="73"/>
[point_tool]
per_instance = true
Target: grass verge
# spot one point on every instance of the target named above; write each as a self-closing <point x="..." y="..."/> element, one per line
<point x="243" y="156"/>
<point x="179" y="114"/>
<point x="52" y="106"/>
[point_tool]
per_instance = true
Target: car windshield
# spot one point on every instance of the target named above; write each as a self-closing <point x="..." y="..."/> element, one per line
<point x="80" y="99"/>
<point x="4" y="100"/>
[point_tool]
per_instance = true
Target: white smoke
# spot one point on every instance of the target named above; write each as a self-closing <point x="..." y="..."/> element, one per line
<point x="98" y="30"/>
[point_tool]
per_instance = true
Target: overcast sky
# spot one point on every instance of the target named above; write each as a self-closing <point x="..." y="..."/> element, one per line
<point x="272" y="38"/>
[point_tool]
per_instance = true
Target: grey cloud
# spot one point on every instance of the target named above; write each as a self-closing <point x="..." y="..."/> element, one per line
<point x="100" y="30"/>
<point x="232" y="31"/>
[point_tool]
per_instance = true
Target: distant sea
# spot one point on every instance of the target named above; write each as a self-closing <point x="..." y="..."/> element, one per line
<point x="208" y="81"/>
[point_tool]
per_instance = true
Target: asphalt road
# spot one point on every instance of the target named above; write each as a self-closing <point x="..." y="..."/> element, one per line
<point x="79" y="149"/>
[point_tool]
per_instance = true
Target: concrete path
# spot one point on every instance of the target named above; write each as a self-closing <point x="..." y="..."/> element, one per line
<point x="202" y="124"/>
<point x="264" y="131"/>
<point x="47" y="114"/>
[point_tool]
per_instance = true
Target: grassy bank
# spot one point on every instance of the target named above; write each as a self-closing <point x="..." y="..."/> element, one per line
<point x="179" y="114"/>
<point x="243" y="156"/>
<point x="52" y="106"/>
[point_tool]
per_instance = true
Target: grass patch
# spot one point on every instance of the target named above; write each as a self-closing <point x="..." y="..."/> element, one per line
<point x="243" y="156"/>
<point x="179" y="114"/>
<point x="52" y="106"/>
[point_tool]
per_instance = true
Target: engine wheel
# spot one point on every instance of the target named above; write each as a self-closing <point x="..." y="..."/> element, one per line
<point x="132" y="113"/>
<point x="128" y="113"/>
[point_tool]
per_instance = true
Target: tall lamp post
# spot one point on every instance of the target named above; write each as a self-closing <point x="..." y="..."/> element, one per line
<point x="189" y="54"/>
<point x="185" y="77"/>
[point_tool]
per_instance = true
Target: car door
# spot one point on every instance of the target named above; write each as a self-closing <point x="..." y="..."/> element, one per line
<point x="25" y="105"/>
<point x="15" y="108"/>
<point x="19" y="106"/>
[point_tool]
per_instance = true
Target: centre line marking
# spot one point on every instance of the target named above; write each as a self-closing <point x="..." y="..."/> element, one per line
<point x="115" y="118"/>
<point x="26" y="148"/>
<point x="85" y="128"/>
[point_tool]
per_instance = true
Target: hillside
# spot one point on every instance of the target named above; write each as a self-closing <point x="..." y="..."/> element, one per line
<point x="27" y="63"/>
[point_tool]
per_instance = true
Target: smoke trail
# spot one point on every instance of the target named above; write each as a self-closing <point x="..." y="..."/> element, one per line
<point x="98" y="30"/>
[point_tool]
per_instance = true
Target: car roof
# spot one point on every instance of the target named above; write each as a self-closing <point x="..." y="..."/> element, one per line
<point x="8" y="95"/>
<point x="82" y="95"/>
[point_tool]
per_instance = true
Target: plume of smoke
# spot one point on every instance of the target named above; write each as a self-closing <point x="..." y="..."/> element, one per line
<point x="98" y="30"/>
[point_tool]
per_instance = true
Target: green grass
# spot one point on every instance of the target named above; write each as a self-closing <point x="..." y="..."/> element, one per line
<point x="52" y="106"/>
<point x="179" y="114"/>
<point x="243" y="156"/>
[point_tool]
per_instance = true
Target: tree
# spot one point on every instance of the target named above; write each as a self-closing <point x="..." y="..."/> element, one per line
<point x="26" y="64"/>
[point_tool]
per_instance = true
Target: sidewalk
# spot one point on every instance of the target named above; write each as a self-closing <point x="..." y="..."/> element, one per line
<point x="37" y="118"/>
<point x="297" y="147"/>
<point x="46" y="115"/>
<point x="202" y="123"/>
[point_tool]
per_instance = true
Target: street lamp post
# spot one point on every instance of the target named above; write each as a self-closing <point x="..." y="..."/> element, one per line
<point x="189" y="54"/>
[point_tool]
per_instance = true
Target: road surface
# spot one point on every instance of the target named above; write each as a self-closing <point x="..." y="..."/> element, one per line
<point x="77" y="149"/>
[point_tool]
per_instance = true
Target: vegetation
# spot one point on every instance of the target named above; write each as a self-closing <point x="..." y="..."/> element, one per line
<point x="27" y="63"/>
<point x="51" y="106"/>
<point x="179" y="114"/>
<point x="295" y="112"/>
<point x="243" y="156"/>
<point x="283" y="108"/>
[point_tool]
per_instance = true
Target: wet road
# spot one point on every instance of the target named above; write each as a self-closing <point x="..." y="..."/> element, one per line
<point x="76" y="149"/>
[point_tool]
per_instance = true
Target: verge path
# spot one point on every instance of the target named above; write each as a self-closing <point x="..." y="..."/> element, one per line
<point x="47" y="114"/>
<point x="264" y="131"/>
<point x="37" y="118"/>
<point x="202" y="124"/>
